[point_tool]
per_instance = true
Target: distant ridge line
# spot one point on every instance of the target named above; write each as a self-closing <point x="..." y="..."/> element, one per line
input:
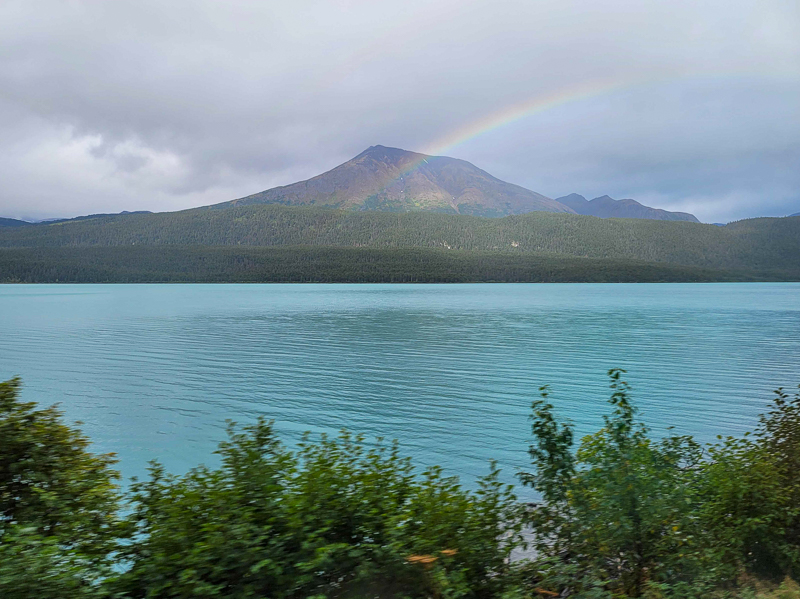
<point x="608" y="207"/>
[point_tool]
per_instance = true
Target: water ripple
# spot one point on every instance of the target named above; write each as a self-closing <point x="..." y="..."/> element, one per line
<point x="449" y="370"/>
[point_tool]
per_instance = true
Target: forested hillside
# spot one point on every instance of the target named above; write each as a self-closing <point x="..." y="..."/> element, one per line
<point x="756" y="244"/>
<point x="13" y="222"/>
<point x="226" y="264"/>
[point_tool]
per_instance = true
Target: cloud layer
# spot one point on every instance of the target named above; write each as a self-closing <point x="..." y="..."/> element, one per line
<point x="108" y="106"/>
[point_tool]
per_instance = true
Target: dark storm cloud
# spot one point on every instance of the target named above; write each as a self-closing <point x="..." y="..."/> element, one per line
<point x="151" y="105"/>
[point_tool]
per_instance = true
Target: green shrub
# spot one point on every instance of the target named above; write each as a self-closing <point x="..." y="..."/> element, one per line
<point x="33" y="566"/>
<point x="334" y="518"/>
<point x="622" y="516"/>
<point x="636" y="517"/>
<point x="622" y="510"/>
<point x="751" y="492"/>
<point x="58" y="503"/>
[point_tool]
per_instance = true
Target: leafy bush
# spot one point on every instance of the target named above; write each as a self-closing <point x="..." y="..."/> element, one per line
<point x="622" y="510"/>
<point x="58" y="503"/>
<point x="623" y="516"/>
<point x="633" y="517"/>
<point x="33" y="566"/>
<point x="751" y="488"/>
<point x="336" y="517"/>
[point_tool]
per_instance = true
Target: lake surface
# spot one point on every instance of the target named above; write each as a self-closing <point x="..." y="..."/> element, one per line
<point x="449" y="370"/>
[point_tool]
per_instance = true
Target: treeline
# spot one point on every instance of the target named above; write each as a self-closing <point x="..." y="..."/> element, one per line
<point x="202" y="264"/>
<point x="756" y="244"/>
<point x="623" y="515"/>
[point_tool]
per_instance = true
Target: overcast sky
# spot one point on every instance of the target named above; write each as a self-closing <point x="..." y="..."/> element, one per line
<point x="162" y="105"/>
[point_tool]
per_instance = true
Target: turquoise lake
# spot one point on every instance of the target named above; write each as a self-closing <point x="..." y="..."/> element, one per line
<point x="450" y="371"/>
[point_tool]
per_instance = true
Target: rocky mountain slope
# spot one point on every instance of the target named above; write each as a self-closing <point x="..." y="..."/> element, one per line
<point x="395" y="180"/>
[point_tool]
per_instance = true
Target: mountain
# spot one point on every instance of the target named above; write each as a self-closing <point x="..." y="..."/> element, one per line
<point x="13" y="222"/>
<point x="606" y="207"/>
<point x="395" y="180"/>
<point x="795" y="214"/>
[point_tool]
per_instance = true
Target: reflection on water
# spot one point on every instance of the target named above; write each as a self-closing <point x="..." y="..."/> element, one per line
<point x="449" y="370"/>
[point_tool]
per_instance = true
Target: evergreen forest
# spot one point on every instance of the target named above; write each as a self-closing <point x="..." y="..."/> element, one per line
<point x="267" y="243"/>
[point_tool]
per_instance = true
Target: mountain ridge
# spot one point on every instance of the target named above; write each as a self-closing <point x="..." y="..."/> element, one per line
<point x="607" y="207"/>
<point x="390" y="179"/>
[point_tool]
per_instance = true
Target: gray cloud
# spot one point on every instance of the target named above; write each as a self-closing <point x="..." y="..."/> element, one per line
<point x="106" y="106"/>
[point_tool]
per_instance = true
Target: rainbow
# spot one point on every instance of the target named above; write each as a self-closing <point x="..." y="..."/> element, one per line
<point x="515" y="112"/>
<point x="583" y="91"/>
<point x="510" y="114"/>
<point x="521" y="110"/>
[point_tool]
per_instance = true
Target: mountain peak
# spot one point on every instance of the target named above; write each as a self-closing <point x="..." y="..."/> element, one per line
<point x="575" y="202"/>
<point x="379" y="150"/>
<point x="396" y="180"/>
